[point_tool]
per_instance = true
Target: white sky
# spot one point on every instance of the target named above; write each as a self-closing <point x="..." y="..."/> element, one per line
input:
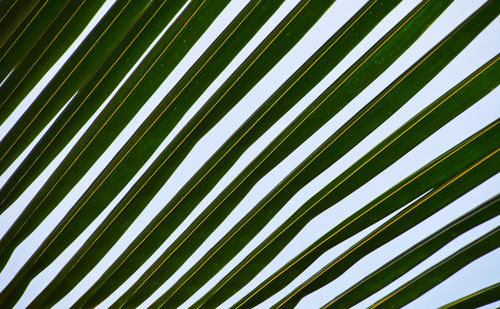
<point x="481" y="273"/>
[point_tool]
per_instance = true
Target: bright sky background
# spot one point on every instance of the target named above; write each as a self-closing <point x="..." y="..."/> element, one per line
<point x="481" y="273"/>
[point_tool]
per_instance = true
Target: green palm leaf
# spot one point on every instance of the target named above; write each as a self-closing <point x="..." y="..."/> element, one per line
<point x="12" y="13"/>
<point x="441" y="271"/>
<point x="289" y="93"/>
<point x="245" y="229"/>
<point x="345" y="183"/>
<point x="418" y="183"/>
<point x="189" y="246"/>
<point x="70" y="78"/>
<point x="26" y="34"/>
<point x="59" y="239"/>
<point x="277" y="43"/>
<point x="401" y="222"/>
<point x="106" y="128"/>
<point x="477" y="299"/>
<point x="61" y="33"/>
<point x="90" y="97"/>
<point x="417" y="253"/>
<point x="116" y="72"/>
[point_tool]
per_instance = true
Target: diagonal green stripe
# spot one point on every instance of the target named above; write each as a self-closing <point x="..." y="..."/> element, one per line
<point x="92" y="95"/>
<point x="191" y="243"/>
<point x="407" y="218"/>
<point x="416" y="254"/>
<point x="441" y="271"/>
<point x="5" y="8"/>
<point x="27" y="34"/>
<point x="77" y="69"/>
<point x="262" y="60"/>
<point x="477" y="299"/>
<point x="67" y="26"/>
<point x="404" y="139"/>
<point x="365" y="121"/>
<point x="290" y="93"/>
<point x="435" y="172"/>
<point x="12" y="15"/>
<point x="20" y="282"/>
<point x="188" y="248"/>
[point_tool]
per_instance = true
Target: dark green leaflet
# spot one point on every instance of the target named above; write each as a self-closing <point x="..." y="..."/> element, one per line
<point x="79" y="67"/>
<point x="273" y="48"/>
<point x="480" y="298"/>
<point x="262" y="60"/>
<point x="408" y="217"/>
<point x="223" y="204"/>
<point x="416" y="254"/>
<point x="441" y="271"/>
<point x="69" y="23"/>
<point x="364" y="122"/>
<point x="115" y="116"/>
<point x="253" y="29"/>
<point x="91" y="96"/>
<point x="407" y="137"/>
<point x="138" y="89"/>
<point x="12" y="14"/>
<point x="427" y="177"/>
<point x="27" y="34"/>
<point x="56" y="239"/>
<point x="93" y="143"/>
<point x="288" y="94"/>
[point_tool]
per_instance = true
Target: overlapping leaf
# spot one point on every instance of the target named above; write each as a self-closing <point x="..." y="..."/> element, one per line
<point x="69" y="23"/>
<point x="77" y="69"/>
<point x="26" y="33"/>
<point x="344" y="88"/>
<point x="109" y="123"/>
<point x="283" y="38"/>
<point x="279" y="103"/>
<point x="90" y="97"/>
<point x="13" y="13"/>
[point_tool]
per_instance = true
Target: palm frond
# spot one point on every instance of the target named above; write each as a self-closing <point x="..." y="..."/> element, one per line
<point x="114" y="71"/>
